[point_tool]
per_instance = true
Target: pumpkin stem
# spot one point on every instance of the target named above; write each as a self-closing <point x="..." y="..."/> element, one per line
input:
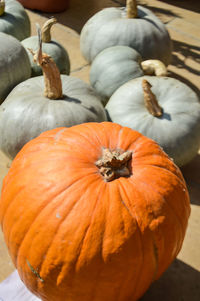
<point x="46" y="30"/>
<point x="131" y="9"/>
<point x="51" y="73"/>
<point x="154" y="67"/>
<point x="114" y="164"/>
<point x="2" y="7"/>
<point x="150" y="100"/>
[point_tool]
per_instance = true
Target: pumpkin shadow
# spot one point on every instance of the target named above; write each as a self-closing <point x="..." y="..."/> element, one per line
<point x="79" y="12"/>
<point x="186" y="51"/>
<point x="166" y="116"/>
<point x="180" y="282"/>
<point x="157" y="10"/>
<point x="193" y="5"/>
<point x="191" y="173"/>
<point x="79" y="102"/>
<point x="185" y="81"/>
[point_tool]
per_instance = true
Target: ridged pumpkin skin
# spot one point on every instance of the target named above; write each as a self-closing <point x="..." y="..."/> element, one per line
<point x="110" y="27"/>
<point x="74" y="236"/>
<point x="112" y="68"/>
<point x="52" y="48"/>
<point x="15" y="20"/>
<point x="49" y="6"/>
<point x="15" y="66"/>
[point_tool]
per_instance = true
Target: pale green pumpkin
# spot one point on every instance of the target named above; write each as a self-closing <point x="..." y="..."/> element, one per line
<point x="136" y="27"/>
<point x="170" y="116"/>
<point x="50" y="46"/>
<point x="14" y="19"/>
<point x="14" y="64"/>
<point x="114" y="66"/>
<point x="29" y="110"/>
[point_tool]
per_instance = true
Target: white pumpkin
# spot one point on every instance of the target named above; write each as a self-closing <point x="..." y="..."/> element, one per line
<point x="136" y="27"/>
<point x="50" y="46"/>
<point x="14" y="64"/>
<point x="30" y="109"/>
<point x="14" y="19"/>
<point x="168" y="113"/>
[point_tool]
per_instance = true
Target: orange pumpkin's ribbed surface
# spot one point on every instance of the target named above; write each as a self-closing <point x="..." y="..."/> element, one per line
<point x="75" y="237"/>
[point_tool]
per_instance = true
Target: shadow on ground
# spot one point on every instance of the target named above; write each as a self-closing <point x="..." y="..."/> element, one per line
<point x="185" y="81"/>
<point x="192" y="178"/>
<point x="180" y="282"/>
<point x="193" y="5"/>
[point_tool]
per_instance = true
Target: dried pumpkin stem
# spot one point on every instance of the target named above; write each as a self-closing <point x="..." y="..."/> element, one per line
<point x="150" y="100"/>
<point x="131" y="9"/>
<point x="51" y="73"/>
<point x="114" y="164"/>
<point x="154" y="67"/>
<point x="46" y="30"/>
<point x="2" y="7"/>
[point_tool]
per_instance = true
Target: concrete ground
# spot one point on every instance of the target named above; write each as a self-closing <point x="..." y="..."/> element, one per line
<point x="181" y="282"/>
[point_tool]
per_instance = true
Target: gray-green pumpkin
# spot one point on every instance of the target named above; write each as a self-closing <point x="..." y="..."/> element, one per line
<point x="14" y="20"/>
<point x="163" y="109"/>
<point x="136" y="27"/>
<point x="14" y="64"/>
<point x="116" y="65"/>
<point x="50" y="46"/>
<point x="27" y="112"/>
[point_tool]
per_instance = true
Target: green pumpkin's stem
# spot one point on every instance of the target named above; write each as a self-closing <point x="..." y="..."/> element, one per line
<point x="154" y="67"/>
<point x="2" y="7"/>
<point x="46" y="30"/>
<point x="51" y="73"/>
<point x="131" y="9"/>
<point x="150" y="100"/>
<point x="114" y="164"/>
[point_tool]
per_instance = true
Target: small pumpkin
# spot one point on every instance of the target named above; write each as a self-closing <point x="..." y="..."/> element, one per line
<point x="93" y="212"/>
<point x="163" y="109"/>
<point x="54" y="49"/>
<point x="14" y="20"/>
<point x="133" y="26"/>
<point x="116" y="65"/>
<point x="48" y="6"/>
<point x="26" y="112"/>
<point x="14" y="64"/>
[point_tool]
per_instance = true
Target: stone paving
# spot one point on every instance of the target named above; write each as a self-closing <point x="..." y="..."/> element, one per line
<point x="181" y="282"/>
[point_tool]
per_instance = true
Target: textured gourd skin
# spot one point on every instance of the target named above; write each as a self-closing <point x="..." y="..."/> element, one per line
<point x="74" y="236"/>
<point x="26" y="113"/>
<point x="49" y="6"/>
<point x="53" y="49"/>
<point x="15" y="20"/>
<point x="112" y="68"/>
<point x="110" y="27"/>
<point x="177" y="131"/>
<point x="14" y="64"/>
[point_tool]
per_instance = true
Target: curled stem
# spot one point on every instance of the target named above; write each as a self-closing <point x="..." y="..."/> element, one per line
<point x="154" y="67"/>
<point x="46" y="30"/>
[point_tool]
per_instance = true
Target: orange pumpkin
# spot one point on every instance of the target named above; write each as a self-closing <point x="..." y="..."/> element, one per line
<point x="49" y="6"/>
<point x="93" y="212"/>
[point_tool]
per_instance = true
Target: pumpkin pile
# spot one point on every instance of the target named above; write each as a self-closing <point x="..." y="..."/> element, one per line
<point x="94" y="205"/>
